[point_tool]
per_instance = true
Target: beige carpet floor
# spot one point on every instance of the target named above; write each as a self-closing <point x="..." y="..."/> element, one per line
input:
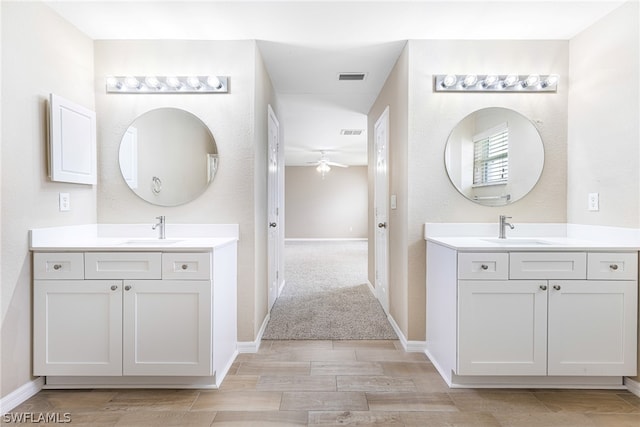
<point x="326" y="295"/>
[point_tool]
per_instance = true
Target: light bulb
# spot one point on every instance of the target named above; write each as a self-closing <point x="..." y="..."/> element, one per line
<point x="214" y="82"/>
<point x="489" y="81"/>
<point x="551" y="80"/>
<point x="173" y="82"/>
<point x="113" y="82"/>
<point x="449" y="80"/>
<point x="194" y="82"/>
<point x="152" y="82"/>
<point x="510" y="80"/>
<point x="323" y="168"/>
<point x="132" y="82"/>
<point x="470" y="80"/>
<point x="531" y="80"/>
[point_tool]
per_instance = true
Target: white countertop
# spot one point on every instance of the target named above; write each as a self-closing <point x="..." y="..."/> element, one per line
<point x="533" y="237"/>
<point x="133" y="237"/>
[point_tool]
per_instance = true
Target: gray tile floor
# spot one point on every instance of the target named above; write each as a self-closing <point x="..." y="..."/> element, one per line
<point x="292" y="383"/>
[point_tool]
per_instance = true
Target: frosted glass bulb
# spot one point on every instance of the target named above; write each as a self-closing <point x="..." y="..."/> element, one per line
<point x="490" y="80"/>
<point x="173" y="82"/>
<point x="214" y="82"/>
<point x="551" y="80"/>
<point x="112" y="82"/>
<point x="194" y="82"/>
<point x="132" y="82"/>
<point x="152" y="82"/>
<point x="531" y="80"/>
<point x="449" y="80"/>
<point x="510" y="80"/>
<point x="470" y="80"/>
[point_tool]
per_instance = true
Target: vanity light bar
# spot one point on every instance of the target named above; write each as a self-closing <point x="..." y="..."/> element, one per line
<point x="495" y="83"/>
<point x="168" y="84"/>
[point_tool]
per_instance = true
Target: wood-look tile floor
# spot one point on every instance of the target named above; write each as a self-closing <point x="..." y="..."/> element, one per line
<point x="294" y="383"/>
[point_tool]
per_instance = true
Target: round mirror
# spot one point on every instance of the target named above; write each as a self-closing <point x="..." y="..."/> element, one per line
<point x="168" y="156"/>
<point x="494" y="156"/>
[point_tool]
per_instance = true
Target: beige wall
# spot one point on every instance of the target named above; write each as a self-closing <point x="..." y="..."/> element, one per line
<point x="604" y="122"/>
<point x="426" y="195"/>
<point x="238" y="192"/>
<point x="41" y="53"/>
<point x="333" y="207"/>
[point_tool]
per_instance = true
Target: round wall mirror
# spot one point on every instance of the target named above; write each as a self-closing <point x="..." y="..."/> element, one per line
<point x="168" y="156"/>
<point x="494" y="156"/>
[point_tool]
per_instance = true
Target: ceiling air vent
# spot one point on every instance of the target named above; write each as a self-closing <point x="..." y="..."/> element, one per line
<point x="351" y="132"/>
<point x="351" y="76"/>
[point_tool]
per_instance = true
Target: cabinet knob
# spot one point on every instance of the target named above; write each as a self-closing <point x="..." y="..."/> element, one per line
<point x="543" y="287"/>
<point x="614" y="267"/>
<point x="484" y="267"/>
<point x="127" y="288"/>
<point x="184" y="266"/>
<point x="114" y="287"/>
<point x="557" y="287"/>
<point x="57" y="266"/>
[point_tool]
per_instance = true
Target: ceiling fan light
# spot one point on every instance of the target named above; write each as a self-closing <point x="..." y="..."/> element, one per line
<point x="323" y="168"/>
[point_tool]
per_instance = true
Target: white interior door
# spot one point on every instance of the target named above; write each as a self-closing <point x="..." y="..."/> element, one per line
<point x="381" y="195"/>
<point x="275" y="208"/>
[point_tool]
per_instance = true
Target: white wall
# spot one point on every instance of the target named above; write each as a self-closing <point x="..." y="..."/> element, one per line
<point x="41" y="53"/>
<point x="604" y="114"/>
<point x="426" y="195"/>
<point x="333" y="207"/>
<point x="238" y="192"/>
<point x="604" y="122"/>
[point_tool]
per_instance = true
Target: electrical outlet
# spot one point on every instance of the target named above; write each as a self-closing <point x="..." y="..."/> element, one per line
<point x="594" y="202"/>
<point x="64" y="202"/>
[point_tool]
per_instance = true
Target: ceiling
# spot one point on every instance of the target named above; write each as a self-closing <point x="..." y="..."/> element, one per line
<point x="306" y="43"/>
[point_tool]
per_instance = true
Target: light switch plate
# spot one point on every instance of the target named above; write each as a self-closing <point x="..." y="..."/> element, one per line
<point x="64" y="202"/>
<point x="394" y="201"/>
<point x="594" y="202"/>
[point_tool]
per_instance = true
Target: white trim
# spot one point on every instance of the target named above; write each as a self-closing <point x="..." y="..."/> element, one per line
<point x="416" y="346"/>
<point x="337" y="239"/>
<point x="254" y="346"/>
<point x="408" y="346"/>
<point x="20" y="395"/>
<point x="396" y="329"/>
<point x="372" y="289"/>
<point x="632" y="385"/>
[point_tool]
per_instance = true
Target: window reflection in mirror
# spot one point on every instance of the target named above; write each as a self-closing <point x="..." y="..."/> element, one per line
<point x="168" y="156"/>
<point x="494" y="156"/>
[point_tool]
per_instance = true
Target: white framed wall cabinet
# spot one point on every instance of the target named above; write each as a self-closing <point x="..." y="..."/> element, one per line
<point x="72" y="142"/>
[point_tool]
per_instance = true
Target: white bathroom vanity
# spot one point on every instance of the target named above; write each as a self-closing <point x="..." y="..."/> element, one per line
<point x="529" y="311"/>
<point x="115" y="306"/>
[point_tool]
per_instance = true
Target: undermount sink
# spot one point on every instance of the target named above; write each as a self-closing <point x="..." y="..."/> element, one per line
<point x="517" y="242"/>
<point x="150" y="242"/>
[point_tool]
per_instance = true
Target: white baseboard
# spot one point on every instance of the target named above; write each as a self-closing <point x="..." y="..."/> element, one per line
<point x="633" y="386"/>
<point x="254" y="346"/>
<point x="337" y="239"/>
<point x="20" y="395"/>
<point x="408" y="346"/>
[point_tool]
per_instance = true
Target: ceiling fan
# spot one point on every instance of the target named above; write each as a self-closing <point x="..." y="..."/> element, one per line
<point x="324" y="164"/>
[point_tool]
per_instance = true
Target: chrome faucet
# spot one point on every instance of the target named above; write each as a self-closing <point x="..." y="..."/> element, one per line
<point x="160" y="227"/>
<point x="503" y="225"/>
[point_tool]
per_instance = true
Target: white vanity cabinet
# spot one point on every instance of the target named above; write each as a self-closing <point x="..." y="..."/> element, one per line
<point x="531" y="318"/>
<point x="134" y="314"/>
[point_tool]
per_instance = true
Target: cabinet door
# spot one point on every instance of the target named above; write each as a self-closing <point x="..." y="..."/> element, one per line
<point x="502" y="327"/>
<point x="77" y="327"/>
<point x="167" y="327"/>
<point x="592" y="327"/>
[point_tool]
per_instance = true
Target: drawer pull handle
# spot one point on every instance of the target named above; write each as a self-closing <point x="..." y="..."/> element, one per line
<point x="114" y="287"/>
<point x="557" y="287"/>
<point x="614" y="267"/>
<point x="57" y="266"/>
<point x="543" y="287"/>
<point x="484" y="267"/>
<point x="184" y="266"/>
<point x="127" y="288"/>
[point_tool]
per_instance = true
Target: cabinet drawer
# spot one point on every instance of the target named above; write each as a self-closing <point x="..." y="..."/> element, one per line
<point x="58" y="265"/>
<point x="122" y="265"/>
<point x="548" y="265"/>
<point x="612" y="265"/>
<point x="189" y="266"/>
<point x="483" y="265"/>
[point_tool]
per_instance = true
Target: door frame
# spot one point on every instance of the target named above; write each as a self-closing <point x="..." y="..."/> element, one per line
<point x="275" y="211"/>
<point x="381" y="190"/>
